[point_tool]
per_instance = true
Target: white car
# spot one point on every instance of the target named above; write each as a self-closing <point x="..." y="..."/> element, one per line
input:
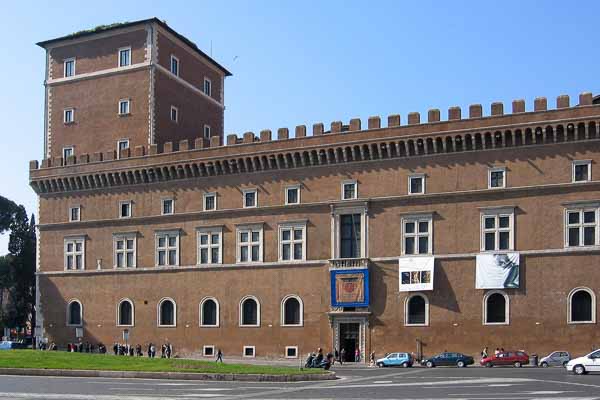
<point x="585" y="364"/>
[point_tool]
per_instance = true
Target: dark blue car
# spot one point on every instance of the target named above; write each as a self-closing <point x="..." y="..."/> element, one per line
<point x="448" y="359"/>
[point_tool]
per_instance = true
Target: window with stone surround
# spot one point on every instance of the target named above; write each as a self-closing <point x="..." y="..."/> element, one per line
<point x="69" y="67"/>
<point x="292" y="311"/>
<point x="417" y="234"/>
<point x="209" y="312"/>
<point x="125" y="313"/>
<point x="250" y="198"/>
<point x="167" y="206"/>
<point x="74" y="313"/>
<point x="124" y="106"/>
<point x="416" y="184"/>
<point x="250" y="312"/>
<point x="125" y="209"/>
<point x="582" y="306"/>
<point x="497" y="229"/>
<point x="209" y="201"/>
<point x="124" y="56"/>
<point x="292" y="241"/>
<point x="582" y="171"/>
<point x="75" y="253"/>
<point x="75" y="214"/>
<point x="124" y="245"/>
<point x="167" y="312"/>
<point x="581" y="226"/>
<point x="349" y="190"/>
<point x="497" y="178"/>
<point x="496" y="308"/>
<point x="69" y="115"/>
<point x="210" y="245"/>
<point x="292" y="194"/>
<point x="174" y="65"/>
<point x="250" y="243"/>
<point x="416" y="310"/>
<point x="167" y="248"/>
<point x="207" y="87"/>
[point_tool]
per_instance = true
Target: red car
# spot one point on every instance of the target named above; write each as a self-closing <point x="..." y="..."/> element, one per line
<point x="516" y="358"/>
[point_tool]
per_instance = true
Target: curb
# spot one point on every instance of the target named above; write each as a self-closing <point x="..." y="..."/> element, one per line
<point x="167" y="375"/>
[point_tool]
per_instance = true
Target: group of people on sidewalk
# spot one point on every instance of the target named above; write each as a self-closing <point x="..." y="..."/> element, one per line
<point x="342" y="356"/>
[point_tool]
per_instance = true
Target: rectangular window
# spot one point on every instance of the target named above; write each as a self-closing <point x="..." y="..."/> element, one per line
<point x="208" y="351"/>
<point x="291" y="352"/>
<point x="124" y="107"/>
<point x="67" y="152"/>
<point x="250" y="244"/>
<point x="292" y="194"/>
<point x="210" y="201"/>
<point x="125" y="209"/>
<point x="581" y="227"/>
<point x="69" y="115"/>
<point x="292" y="239"/>
<point x="496" y="178"/>
<point x="349" y="190"/>
<point x="350" y="235"/>
<point x="250" y="198"/>
<point x="582" y="171"/>
<point x="167" y="249"/>
<point x="168" y="206"/>
<point x="416" y="184"/>
<point x="174" y="114"/>
<point x="210" y="245"/>
<point x="249" y="351"/>
<point x="497" y="231"/>
<point x="125" y="246"/>
<point x="69" y="67"/>
<point x="417" y="235"/>
<point x="207" y="131"/>
<point x="75" y="253"/>
<point x="122" y="145"/>
<point x="74" y="214"/>
<point x="124" y="57"/>
<point x="207" y="87"/>
<point x="174" y="65"/>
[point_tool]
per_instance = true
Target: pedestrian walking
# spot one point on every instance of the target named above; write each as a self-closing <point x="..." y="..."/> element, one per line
<point x="153" y="350"/>
<point x="169" y="350"/>
<point x="342" y="356"/>
<point x="484" y="353"/>
<point x="219" y="356"/>
<point x="357" y="355"/>
<point x="372" y="359"/>
<point x="497" y="351"/>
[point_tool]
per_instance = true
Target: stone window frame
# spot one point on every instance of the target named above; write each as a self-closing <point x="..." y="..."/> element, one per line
<point x="74" y="253"/>
<point x="206" y="131"/>
<point x="292" y="225"/>
<point x="497" y="212"/>
<point x="162" y="205"/>
<point x="67" y="60"/>
<point x="286" y="194"/>
<point x="128" y="300"/>
<point x="124" y="236"/>
<point x="421" y="176"/>
<point x="209" y="230"/>
<point x="176" y="119"/>
<point x="201" y="312"/>
<point x="129" y="214"/>
<point x="64" y="152"/>
<point x="177" y="64"/>
<point x="205" y="347"/>
<point x="129" y="58"/>
<point x="167" y="248"/>
<point x="416" y="218"/>
<point x="205" y="196"/>
<point x="295" y="348"/>
<point x="577" y="163"/>
<point x="68" y="314"/>
<point x="207" y="80"/>
<point x="71" y="209"/>
<point x="570" y="308"/>
<point x="406" y="303"/>
<point x="158" y="313"/>
<point x="71" y="112"/>
<point x="282" y="307"/>
<point x="249" y="228"/>
<point x="581" y="225"/>
<point x="249" y="191"/>
<point x="241" y="312"/>
<point x="119" y="142"/>
<point x="495" y="170"/>
<point x="484" y="305"/>
<point x="247" y="348"/>
<point x="128" y="111"/>
<point x="337" y="211"/>
<point x="343" y="184"/>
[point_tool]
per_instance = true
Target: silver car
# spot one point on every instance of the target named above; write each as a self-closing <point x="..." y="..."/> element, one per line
<point x="555" y="359"/>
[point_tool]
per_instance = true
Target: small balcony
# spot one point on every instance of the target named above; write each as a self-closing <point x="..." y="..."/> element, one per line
<point x="349" y="263"/>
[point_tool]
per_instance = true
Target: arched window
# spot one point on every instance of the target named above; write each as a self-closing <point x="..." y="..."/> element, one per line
<point x="209" y="312"/>
<point x="416" y="310"/>
<point x="249" y="311"/>
<point x="292" y="311"/>
<point x="74" y="313"/>
<point x="167" y="312"/>
<point x="496" y="308"/>
<point x="125" y="313"/>
<point x="582" y="306"/>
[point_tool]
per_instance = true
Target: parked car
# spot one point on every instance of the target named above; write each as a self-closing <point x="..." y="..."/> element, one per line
<point x="585" y="364"/>
<point x="448" y="359"/>
<point x="516" y="358"/>
<point x="395" y="359"/>
<point x="9" y="345"/>
<point x="555" y="359"/>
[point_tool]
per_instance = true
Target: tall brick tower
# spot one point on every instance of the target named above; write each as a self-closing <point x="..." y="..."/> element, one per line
<point x="119" y="86"/>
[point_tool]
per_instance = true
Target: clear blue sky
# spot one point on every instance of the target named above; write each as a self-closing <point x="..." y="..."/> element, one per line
<point x="301" y="62"/>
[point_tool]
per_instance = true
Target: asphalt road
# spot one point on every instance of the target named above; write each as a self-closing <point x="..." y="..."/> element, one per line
<point x="356" y="383"/>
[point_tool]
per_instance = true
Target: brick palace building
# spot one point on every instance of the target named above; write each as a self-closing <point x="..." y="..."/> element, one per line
<point x="419" y="235"/>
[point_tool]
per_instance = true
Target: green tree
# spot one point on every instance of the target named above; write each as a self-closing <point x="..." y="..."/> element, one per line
<point x="7" y="213"/>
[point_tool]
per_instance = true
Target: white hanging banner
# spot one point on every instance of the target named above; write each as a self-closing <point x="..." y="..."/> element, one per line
<point x="416" y="273"/>
<point x="497" y="271"/>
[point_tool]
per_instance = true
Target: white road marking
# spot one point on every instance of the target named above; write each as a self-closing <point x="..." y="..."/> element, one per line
<point x="383" y="382"/>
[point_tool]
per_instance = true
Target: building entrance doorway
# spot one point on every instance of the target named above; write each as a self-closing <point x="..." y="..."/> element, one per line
<point x="349" y="339"/>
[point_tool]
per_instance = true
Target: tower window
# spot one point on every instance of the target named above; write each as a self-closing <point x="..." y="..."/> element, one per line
<point x="69" y="67"/>
<point x="582" y="171"/>
<point x="207" y="87"/>
<point x="124" y="57"/>
<point x="174" y="114"/>
<point x="69" y="116"/>
<point x="416" y="184"/>
<point x="124" y="107"/>
<point x="174" y="65"/>
<point x="207" y="131"/>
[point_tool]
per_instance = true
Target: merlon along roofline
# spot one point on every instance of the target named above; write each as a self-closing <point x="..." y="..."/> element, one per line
<point x="343" y="143"/>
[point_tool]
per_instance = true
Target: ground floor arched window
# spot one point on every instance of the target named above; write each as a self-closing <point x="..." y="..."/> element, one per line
<point x="416" y="310"/>
<point x="167" y="312"/>
<point x="495" y="308"/>
<point x="209" y="312"/>
<point x="74" y="313"/>
<point x="249" y="312"/>
<point x="292" y="311"/>
<point x="125" y="313"/>
<point x="582" y="306"/>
